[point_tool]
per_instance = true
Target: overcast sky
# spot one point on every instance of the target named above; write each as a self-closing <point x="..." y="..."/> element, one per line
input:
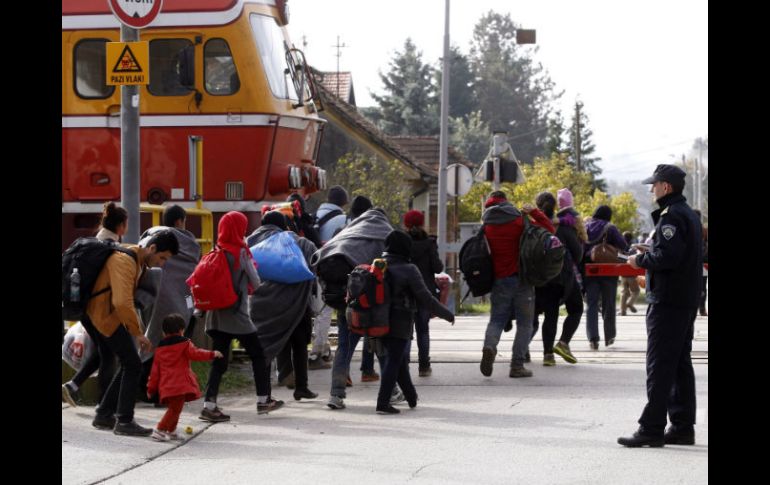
<point x="640" y="68"/>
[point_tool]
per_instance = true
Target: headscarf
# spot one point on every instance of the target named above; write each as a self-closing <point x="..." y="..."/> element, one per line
<point x="231" y="235"/>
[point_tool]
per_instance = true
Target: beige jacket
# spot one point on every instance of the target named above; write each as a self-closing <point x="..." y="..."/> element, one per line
<point x="116" y="305"/>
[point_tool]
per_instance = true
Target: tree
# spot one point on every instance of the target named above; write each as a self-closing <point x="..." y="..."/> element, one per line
<point x="551" y="175"/>
<point x="409" y="107"/>
<point x="382" y="182"/>
<point x="587" y="147"/>
<point x="514" y="93"/>
<point x="462" y="96"/>
<point x="554" y="142"/>
<point x="471" y="137"/>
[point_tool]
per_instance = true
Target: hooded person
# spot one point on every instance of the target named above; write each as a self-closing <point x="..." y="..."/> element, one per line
<point x="331" y="213"/>
<point x="234" y="322"/>
<point x="407" y="292"/>
<point x="278" y="309"/>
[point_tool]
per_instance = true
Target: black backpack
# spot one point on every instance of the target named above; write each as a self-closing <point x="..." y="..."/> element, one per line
<point x="541" y="255"/>
<point x="368" y="299"/>
<point x="88" y="255"/>
<point x="476" y="265"/>
<point x="333" y="274"/>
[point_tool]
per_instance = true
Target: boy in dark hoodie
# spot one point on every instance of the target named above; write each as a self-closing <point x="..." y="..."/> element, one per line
<point x="172" y="377"/>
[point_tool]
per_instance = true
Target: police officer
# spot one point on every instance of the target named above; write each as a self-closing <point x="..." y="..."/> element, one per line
<point x="674" y="265"/>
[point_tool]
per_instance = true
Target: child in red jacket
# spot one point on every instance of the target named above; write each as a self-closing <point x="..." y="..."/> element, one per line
<point x="172" y="376"/>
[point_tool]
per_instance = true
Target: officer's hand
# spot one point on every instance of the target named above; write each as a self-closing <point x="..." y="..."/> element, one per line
<point x="632" y="261"/>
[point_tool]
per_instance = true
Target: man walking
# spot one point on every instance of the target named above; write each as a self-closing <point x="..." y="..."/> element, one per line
<point x="674" y="265"/>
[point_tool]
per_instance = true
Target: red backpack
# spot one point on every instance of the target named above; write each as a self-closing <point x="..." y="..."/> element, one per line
<point x="212" y="282"/>
<point x="368" y="298"/>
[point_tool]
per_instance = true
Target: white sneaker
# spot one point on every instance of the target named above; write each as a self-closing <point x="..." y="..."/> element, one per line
<point x="173" y="435"/>
<point x="397" y="396"/>
<point x="336" y="402"/>
<point x="159" y="435"/>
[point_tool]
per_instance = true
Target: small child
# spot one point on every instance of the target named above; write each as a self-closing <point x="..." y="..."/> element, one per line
<point x="172" y="376"/>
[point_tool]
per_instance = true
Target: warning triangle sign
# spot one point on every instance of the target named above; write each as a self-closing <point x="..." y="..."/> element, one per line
<point x="127" y="62"/>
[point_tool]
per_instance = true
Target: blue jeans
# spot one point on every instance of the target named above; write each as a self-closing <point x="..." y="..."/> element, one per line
<point x="346" y="345"/>
<point x="511" y="298"/>
<point x="602" y="288"/>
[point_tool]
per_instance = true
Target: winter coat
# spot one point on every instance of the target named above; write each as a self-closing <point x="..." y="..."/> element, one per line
<point x="569" y="236"/>
<point x="171" y="374"/>
<point x="425" y="257"/>
<point x="116" y="305"/>
<point x="503" y="226"/>
<point x="407" y="289"/>
<point x="674" y="264"/>
<point x="277" y="308"/>
<point x="595" y="228"/>
<point x="362" y="240"/>
<point x="330" y="227"/>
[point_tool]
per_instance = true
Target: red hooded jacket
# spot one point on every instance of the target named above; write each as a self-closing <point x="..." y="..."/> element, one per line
<point x="171" y="373"/>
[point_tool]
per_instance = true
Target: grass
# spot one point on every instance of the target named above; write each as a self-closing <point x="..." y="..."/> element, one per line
<point x="237" y="378"/>
<point x="474" y="309"/>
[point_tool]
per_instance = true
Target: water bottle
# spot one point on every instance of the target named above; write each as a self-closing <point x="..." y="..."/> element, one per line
<point x="75" y="286"/>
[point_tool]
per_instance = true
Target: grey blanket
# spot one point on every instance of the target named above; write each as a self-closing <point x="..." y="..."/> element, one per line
<point x="360" y="242"/>
<point x="173" y="294"/>
<point x="277" y="308"/>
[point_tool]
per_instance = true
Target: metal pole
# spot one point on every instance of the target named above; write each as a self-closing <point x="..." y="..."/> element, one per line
<point x="129" y="148"/>
<point x="443" y="142"/>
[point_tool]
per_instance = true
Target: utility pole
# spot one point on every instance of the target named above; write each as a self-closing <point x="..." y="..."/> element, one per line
<point x="577" y="135"/>
<point x="339" y="54"/>
<point x="443" y="144"/>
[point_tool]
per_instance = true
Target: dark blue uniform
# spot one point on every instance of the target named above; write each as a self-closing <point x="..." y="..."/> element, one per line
<point x="674" y="266"/>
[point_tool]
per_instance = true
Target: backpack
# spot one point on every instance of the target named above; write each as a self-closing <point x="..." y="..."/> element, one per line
<point x="333" y="273"/>
<point x="604" y="252"/>
<point x="280" y="259"/>
<point x="326" y="218"/>
<point x="368" y="299"/>
<point x="211" y="283"/>
<point x="541" y="255"/>
<point x="476" y="265"/>
<point x="88" y="255"/>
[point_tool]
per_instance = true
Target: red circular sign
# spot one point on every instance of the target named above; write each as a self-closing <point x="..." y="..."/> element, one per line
<point x="136" y="14"/>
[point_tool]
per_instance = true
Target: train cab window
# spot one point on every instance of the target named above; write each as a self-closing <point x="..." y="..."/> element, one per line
<point x="272" y="50"/>
<point x="220" y="76"/>
<point x="166" y="55"/>
<point x="90" y="69"/>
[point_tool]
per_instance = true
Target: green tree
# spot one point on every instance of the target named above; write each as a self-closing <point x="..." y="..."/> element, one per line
<point x="462" y="96"/>
<point x="381" y="181"/>
<point x="514" y="92"/>
<point x="551" y="175"/>
<point x="554" y="142"/>
<point x="409" y="107"/>
<point x="471" y="137"/>
<point x="587" y="147"/>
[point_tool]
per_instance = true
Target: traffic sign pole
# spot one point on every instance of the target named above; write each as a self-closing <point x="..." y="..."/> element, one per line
<point x="129" y="148"/>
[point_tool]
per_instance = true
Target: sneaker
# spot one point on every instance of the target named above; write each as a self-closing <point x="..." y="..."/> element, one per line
<point x="389" y="409"/>
<point x="609" y="342"/>
<point x="425" y="372"/>
<point x="327" y="354"/>
<point x="632" y="308"/>
<point x="370" y="377"/>
<point x="520" y="372"/>
<point x="174" y="436"/>
<point x="315" y="362"/>
<point x="563" y="351"/>
<point x="304" y="394"/>
<point x="69" y="394"/>
<point x="397" y="396"/>
<point x="487" y="359"/>
<point x="348" y="381"/>
<point x="271" y="405"/>
<point x="412" y="402"/>
<point x="104" y="422"/>
<point x="548" y="360"/>
<point x="336" y="402"/>
<point x="213" y="415"/>
<point x="159" y="435"/>
<point x="131" y="429"/>
<point x="594" y="344"/>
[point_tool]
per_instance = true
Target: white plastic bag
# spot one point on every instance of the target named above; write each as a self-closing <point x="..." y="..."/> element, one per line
<point x="316" y="301"/>
<point x="77" y="346"/>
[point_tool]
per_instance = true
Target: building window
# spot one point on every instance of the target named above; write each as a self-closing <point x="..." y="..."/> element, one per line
<point x="90" y="69"/>
<point x="166" y="58"/>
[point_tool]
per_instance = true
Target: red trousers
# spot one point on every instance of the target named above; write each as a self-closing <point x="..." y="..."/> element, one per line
<point x="171" y="418"/>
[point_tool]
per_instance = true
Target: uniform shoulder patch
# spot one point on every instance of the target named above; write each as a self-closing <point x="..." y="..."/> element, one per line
<point x="668" y="231"/>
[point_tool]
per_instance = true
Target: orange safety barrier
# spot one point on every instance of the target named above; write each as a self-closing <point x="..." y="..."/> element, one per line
<point x="615" y="269"/>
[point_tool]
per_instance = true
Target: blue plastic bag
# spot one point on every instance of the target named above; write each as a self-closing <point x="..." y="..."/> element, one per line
<point x="280" y="259"/>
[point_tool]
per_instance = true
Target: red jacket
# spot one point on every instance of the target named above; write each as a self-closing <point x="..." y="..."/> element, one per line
<point x="171" y="373"/>
<point x="504" y="241"/>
